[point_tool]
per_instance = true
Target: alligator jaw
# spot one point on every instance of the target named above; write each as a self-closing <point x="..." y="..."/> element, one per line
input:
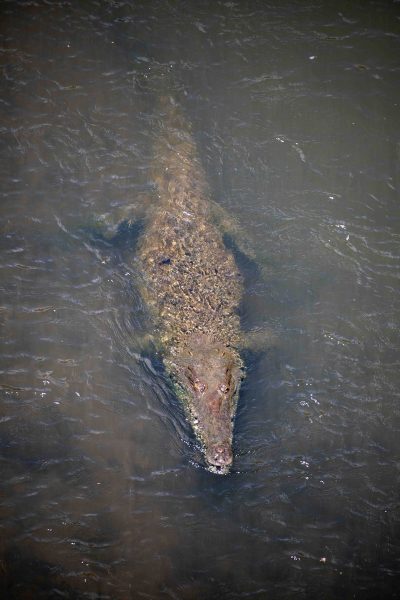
<point x="209" y="375"/>
<point x="219" y="458"/>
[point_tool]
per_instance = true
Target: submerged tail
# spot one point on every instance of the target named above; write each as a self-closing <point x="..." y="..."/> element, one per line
<point x="175" y="156"/>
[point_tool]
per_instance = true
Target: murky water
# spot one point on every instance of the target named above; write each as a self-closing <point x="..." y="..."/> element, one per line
<point x="104" y="494"/>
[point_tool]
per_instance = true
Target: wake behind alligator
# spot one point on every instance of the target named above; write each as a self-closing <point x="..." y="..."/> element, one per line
<point x="194" y="288"/>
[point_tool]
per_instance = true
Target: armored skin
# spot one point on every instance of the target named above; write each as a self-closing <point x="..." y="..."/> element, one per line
<point x="193" y="287"/>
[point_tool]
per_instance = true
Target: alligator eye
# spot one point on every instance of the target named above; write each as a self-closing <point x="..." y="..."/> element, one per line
<point x="223" y="388"/>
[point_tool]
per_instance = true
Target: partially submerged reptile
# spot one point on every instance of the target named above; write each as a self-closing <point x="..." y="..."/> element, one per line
<point x="194" y="288"/>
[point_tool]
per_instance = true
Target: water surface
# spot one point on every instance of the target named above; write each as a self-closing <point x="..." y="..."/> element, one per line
<point x="295" y="110"/>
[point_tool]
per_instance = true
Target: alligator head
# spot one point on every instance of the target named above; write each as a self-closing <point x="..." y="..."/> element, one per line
<point x="209" y="375"/>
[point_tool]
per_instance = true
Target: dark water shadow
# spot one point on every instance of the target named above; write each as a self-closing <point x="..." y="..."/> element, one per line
<point x="23" y="577"/>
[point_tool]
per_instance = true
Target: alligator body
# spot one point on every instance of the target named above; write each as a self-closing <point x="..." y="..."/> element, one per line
<point x="193" y="287"/>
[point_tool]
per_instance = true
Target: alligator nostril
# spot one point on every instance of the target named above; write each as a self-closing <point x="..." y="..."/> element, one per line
<point x="220" y="458"/>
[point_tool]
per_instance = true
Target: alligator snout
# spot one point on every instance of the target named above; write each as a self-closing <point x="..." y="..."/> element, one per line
<point x="209" y="374"/>
<point x="220" y="457"/>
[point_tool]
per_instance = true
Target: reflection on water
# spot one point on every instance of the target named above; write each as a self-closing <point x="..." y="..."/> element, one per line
<point x="103" y="490"/>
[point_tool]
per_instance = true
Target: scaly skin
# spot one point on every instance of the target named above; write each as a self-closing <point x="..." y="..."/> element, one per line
<point x="194" y="288"/>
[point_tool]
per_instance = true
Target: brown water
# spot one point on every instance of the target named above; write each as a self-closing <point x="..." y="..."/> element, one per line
<point x="104" y="494"/>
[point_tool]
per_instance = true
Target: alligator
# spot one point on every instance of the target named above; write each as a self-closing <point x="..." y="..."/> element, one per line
<point x="190" y="281"/>
<point x="193" y="287"/>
